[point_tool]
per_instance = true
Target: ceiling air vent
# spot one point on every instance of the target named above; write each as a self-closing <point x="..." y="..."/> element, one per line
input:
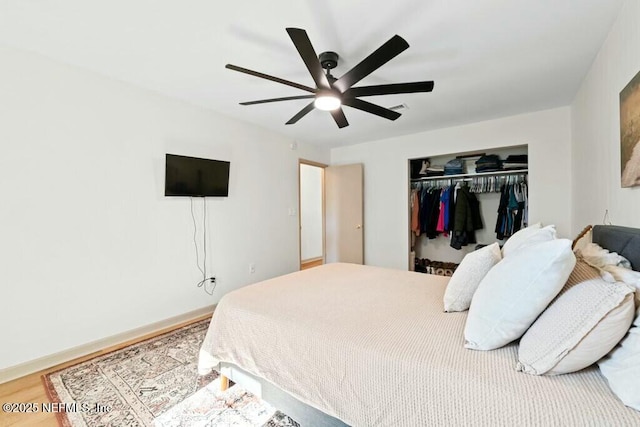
<point x="399" y="107"/>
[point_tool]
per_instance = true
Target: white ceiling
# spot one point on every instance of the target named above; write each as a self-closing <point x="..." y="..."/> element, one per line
<point x="488" y="58"/>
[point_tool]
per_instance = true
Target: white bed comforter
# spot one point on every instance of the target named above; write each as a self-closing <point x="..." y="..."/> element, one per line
<point x="372" y="347"/>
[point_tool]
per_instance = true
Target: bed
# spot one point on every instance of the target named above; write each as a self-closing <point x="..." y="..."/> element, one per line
<point x="346" y="344"/>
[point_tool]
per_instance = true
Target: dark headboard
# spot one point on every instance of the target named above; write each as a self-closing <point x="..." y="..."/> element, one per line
<point x="623" y="240"/>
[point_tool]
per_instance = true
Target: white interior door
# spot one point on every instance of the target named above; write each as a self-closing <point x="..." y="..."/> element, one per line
<point x="344" y="213"/>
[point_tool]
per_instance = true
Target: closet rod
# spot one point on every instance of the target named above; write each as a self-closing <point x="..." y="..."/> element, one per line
<point x="472" y="175"/>
<point x="445" y="180"/>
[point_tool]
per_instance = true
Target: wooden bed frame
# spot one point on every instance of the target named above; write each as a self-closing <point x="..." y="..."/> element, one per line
<point x="224" y="383"/>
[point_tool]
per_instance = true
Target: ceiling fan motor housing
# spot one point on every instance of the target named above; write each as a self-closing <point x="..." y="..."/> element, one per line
<point x="328" y="60"/>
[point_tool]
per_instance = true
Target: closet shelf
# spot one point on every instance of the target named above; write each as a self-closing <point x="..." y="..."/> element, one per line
<point x="471" y="175"/>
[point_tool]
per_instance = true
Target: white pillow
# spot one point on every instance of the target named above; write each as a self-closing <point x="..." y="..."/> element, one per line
<point x="465" y="280"/>
<point x="621" y="274"/>
<point x="515" y="292"/>
<point x="587" y="319"/>
<point x="527" y="236"/>
<point x="521" y="235"/>
<point x="621" y="367"/>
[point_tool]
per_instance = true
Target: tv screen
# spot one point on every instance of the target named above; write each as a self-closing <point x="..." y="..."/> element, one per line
<point x="190" y="176"/>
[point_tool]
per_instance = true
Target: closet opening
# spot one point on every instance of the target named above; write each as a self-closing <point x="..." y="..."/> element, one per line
<point x="461" y="201"/>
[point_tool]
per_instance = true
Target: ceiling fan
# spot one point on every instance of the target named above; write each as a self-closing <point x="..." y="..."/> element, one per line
<point x="331" y="93"/>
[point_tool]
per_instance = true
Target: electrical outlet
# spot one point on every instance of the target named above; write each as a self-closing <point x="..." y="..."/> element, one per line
<point x="252" y="268"/>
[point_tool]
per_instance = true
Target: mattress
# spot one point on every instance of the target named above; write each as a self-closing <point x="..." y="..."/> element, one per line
<point x="373" y="347"/>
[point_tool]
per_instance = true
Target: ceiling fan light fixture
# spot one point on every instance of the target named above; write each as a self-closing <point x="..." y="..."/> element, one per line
<point x="327" y="102"/>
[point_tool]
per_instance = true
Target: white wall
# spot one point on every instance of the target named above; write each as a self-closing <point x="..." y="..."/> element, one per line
<point x="596" y="129"/>
<point x="89" y="246"/>
<point x="311" y="178"/>
<point x="547" y="134"/>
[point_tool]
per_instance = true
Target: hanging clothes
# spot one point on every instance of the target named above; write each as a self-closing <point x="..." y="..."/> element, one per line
<point x="415" y="212"/>
<point x="435" y="205"/>
<point x="502" y="212"/>
<point x="434" y="213"/>
<point x="443" y="219"/>
<point x="525" y="196"/>
<point x="424" y="209"/>
<point x="513" y="209"/>
<point x="451" y="211"/>
<point x="519" y="196"/>
<point x="467" y="218"/>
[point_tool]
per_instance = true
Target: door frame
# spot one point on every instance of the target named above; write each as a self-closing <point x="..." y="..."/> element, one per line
<point x="324" y="221"/>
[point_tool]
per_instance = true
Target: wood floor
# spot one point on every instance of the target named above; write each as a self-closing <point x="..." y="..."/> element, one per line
<point x="310" y="263"/>
<point x="30" y="389"/>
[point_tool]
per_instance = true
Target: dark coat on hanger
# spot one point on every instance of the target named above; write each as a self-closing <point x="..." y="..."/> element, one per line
<point x="425" y="199"/>
<point x="467" y="219"/>
<point x="434" y="213"/>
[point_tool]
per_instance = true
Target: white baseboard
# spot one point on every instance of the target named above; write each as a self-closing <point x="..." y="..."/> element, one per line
<point x="17" y="371"/>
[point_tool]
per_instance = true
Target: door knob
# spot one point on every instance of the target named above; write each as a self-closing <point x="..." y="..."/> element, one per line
<point x="358" y="226"/>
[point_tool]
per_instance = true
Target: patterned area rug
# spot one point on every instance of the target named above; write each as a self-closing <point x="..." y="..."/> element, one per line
<point x="155" y="383"/>
<point x="234" y="407"/>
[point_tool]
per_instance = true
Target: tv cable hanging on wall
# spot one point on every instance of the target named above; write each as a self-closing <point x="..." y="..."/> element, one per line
<point x="205" y="280"/>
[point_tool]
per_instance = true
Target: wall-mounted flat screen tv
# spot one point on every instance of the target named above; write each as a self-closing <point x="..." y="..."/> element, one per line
<point x="194" y="177"/>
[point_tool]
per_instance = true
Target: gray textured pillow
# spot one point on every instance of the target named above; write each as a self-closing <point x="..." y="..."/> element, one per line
<point x="585" y="321"/>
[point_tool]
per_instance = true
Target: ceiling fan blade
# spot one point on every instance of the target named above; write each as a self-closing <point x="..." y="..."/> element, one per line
<point x="371" y="108"/>
<point x="301" y="114"/>
<point x="268" y="77"/>
<point x="392" y="48"/>
<point x="390" y="89"/>
<point x="301" y="41"/>
<point x="340" y="118"/>
<point x="286" y="98"/>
